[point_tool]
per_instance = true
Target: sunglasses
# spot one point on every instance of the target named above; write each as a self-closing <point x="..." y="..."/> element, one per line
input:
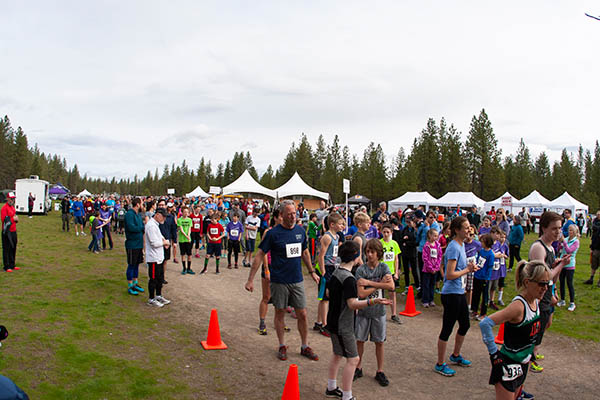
<point x="542" y="284"/>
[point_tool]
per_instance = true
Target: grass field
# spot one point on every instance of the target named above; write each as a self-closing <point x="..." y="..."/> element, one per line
<point x="76" y="334"/>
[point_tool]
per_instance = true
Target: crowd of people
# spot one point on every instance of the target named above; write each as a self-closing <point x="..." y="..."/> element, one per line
<point x="356" y="264"/>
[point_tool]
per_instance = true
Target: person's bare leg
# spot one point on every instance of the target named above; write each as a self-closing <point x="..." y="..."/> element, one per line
<point x="302" y="325"/>
<point x="279" y="323"/>
<point x="379" y="356"/>
<point x="441" y="351"/>
<point x="348" y="373"/>
<point x="334" y="366"/>
<point x="263" y="306"/>
<point x="361" y="348"/>
<point x="458" y="342"/>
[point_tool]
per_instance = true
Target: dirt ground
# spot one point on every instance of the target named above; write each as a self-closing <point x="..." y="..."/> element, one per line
<point x="249" y="369"/>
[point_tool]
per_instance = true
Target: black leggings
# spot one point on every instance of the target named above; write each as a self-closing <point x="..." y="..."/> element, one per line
<point x="106" y="235"/>
<point x="410" y="263"/>
<point x="455" y="309"/>
<point x="480" y="287"/>
<point x="568" y="274"/>
<point x="234" y="245"/>
<point x="156" y="273"/>
<point x="515" y="253"/>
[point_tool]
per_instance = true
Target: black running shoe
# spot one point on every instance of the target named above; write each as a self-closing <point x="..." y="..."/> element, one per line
<point x="381" y="378"/>
<point x="335" y="393"/>
<point x="357" y="374"/>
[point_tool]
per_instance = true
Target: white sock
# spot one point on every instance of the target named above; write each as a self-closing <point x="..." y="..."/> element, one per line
<point x="331" y="384"/>
<point x="347" y="395"/>
<point x="500" y="293"/>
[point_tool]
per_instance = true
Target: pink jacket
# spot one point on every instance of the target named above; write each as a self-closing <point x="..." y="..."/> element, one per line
<point x="432" y="257"/>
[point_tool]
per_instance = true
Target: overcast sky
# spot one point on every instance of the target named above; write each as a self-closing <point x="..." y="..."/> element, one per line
<point x="121" y="87"/>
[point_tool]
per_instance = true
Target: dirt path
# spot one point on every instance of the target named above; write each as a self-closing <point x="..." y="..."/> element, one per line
<point x="253" y="371"/>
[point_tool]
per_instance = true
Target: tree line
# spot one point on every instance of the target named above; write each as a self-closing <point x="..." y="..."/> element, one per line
<point x="438" y="161"/>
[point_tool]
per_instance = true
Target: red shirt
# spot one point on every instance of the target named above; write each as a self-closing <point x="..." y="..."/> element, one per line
<point x="88" y="206"/>
<point x="196" y="222"/>
<point x="8" y="210"/>
<point x="215" y="231"/>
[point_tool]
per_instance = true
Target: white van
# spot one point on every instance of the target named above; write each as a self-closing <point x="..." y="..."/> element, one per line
<point x="38" y="188"/>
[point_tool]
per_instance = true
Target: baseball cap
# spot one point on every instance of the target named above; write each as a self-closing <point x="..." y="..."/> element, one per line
<point x="161" y="211"/>
<point x="169" y="204"/>
<point x="420" y="214"/>
<point x="11" y="195"/>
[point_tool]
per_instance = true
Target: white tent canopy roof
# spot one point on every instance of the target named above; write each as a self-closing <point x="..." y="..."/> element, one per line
<point x="295" y="186"/>
<point x="463" y="199"/>
<point x="411" y="199"/>
<point x="534" y="199"/>
<point x="566" y="201"/>
<point x="84" y="193"/>
<point x="198" y="192"/>
<point x="498" y="202"/>
<point x="246" y="184"/>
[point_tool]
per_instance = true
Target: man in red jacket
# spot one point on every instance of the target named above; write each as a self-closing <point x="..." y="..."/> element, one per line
<point x="9" y="218"/>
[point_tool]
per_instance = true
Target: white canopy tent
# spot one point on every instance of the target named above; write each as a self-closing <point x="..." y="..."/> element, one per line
<point x="295" y="186"/>
<point x="463" y="199"/>
<point x="84" y="193"/>
<point x="198" y="192"/>
<point x="499" y="203"/>
<point x="411" y="199"/>
<point x="566" y="201"/>
<point x="534" y="199"/>
<point x="246" y="184"/>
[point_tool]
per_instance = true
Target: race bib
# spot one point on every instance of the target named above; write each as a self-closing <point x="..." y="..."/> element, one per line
<point x="471" y="259"/>
<point x="388" y="256"/>
<point x="196" y="226"/>
<point x="433" y="253"/>
<point x="234" y="232"/>
<point x="463" y="281"/>
<point x="377" y="294"/>
<point x="335" y="251"/>
<point x="512" y="372"/>
<point x="496" y="265"/>
<point x="292" y="250"/>
<point x="214" y="231"/>
<point x="481" y="262"/>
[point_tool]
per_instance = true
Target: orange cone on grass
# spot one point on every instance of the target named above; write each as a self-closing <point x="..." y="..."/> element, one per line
<point x="409" y="309"/>
<point x="213" y="341"/>
<point x="291" y="390"/>
<point x="500" y="337"/>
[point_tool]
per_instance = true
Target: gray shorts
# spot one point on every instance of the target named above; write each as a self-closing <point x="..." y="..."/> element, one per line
<point x="494" y="285"/>
<point x="344" y="345"/>
<point x="370" y="327"/>
<point x="288" y="294"/>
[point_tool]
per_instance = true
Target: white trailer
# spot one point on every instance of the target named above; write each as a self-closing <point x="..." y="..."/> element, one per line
<point x="38" y="188"/>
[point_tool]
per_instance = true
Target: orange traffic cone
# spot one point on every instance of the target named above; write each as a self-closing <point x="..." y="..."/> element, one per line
<point x="500" y="338"/>
<point x="213" y="341"/>
<point x="291" y="390"/>
<point x="409" y="309"/>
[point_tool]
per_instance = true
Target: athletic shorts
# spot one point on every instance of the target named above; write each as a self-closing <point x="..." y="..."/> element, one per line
<point x="135" y="256"/>
<point x="288" y="294"/>
<point x="373" y="328"/>
<point x="167" y="253"/>
<point x="250" y="245"/>
<point x="507" y="372"/>
<point x="469" y="286"/>
<point x="185" y="248"/>
<point x="595" y="259"/>
<point x="344" y="345"/>
<point x="79" y="220"/>
<point x="213" y="249"/>
<point x="544" y="318"/>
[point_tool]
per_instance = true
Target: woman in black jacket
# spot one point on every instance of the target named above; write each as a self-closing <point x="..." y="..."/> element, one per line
<point x="408" y="245"/>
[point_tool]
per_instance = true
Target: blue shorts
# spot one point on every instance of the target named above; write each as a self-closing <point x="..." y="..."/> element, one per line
<point x="79" y="220"/>
<point x="250" y="245"/>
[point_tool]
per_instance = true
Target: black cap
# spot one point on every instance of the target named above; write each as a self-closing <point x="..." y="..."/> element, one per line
<point x="162" y="212"/>
<point x="3" y="332"/>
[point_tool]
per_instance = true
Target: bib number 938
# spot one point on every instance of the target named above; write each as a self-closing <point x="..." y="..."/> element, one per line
<point x="512" y="372"/>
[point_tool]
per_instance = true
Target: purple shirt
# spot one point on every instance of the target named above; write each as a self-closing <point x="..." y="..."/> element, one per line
<point x="234" y="230"/>
<point x="499" y="269"/>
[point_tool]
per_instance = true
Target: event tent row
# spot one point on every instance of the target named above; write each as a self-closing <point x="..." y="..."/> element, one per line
<point x="295" y="186"/>
<point x="468" y="199"/>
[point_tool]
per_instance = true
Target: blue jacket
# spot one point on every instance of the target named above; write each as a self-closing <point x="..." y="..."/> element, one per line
<point x="516" y="235"/>
<point x="565" y="227"/>
<point x="422" y="236"/>
<point x="134" y="230"/>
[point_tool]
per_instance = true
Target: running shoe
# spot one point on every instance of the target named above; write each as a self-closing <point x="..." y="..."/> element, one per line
<point x="405" y="292"/>
<point x="535" y="367"/>
<point x="589" y="282"/>
<point x="229" y="266"/>
<point x="262" y="330"/>
<point x="539" y="357"/>
<point x="183" y="272"/>
<point x="493" y="306"/>
<point x="175" y="261"/>
<point x="444" y="369"/>
<point x="162" y="300"/>
<point x="138" y="288"/>
<point x="357" y="374"/>
<point x="501" y="303"/>
<point x="190" y="271"/>
<point x="525" y="395"/>
<point x="286" y="328"/>
<point x="571" y="307"/>
<point x="282" y="353"/>
<point x="335" y="393"/>
<point x="425" y="305"/>
<point x="17" y="268"/>
<point x="509" y="270"/>
<point x="431" y="304"/>
<point x="131" y="290"/>
<point x="317" y="326"/>
<point x="9" y="270"/>
<point x="197" y="255"/>
<point x="396" y="319"/>
<point x="381" y="378"/>
<point x="165" y="282"/>
<point x="323" y="331"/>
<point x="155" y="303"/>
<point x="308" y="353"/>
<point x="561" y="303"/>
<point x="480" y="317"/>
<point x="459" y="360"/>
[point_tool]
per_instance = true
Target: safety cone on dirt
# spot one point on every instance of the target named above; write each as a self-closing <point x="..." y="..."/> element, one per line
<point x="291" y="390"/>
<point x="500" y="337"/>
<point x="213" y="341"/>
<point x="409" y="309"/>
